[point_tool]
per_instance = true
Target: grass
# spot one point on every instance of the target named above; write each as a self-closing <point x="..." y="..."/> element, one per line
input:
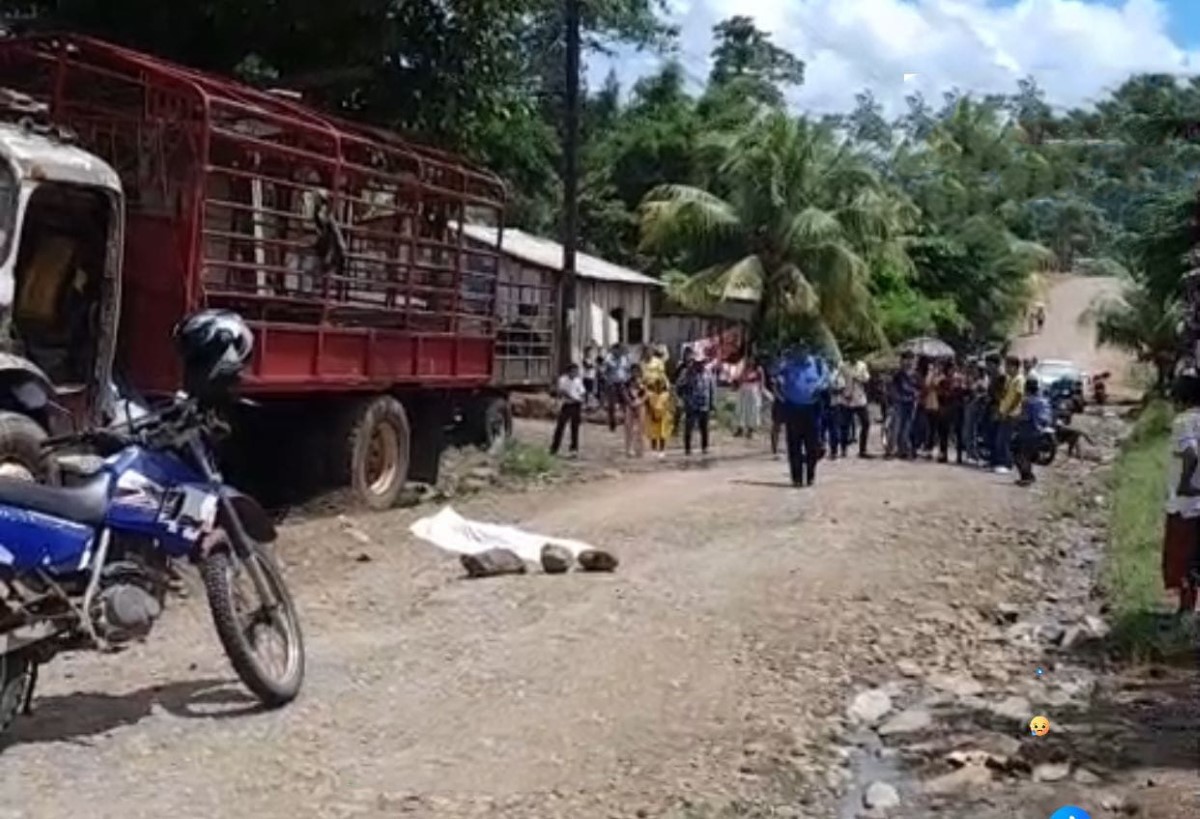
<point x="1143" y="630"/>
<point x="526" y="461"/>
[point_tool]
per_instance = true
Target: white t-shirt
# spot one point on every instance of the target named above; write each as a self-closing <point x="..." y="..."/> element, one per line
<point x="1185" y="435"/>
<point x="857" y="375"/>
<point x="571" y="389"/>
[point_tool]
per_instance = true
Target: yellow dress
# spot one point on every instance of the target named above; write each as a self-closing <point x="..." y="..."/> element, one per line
<point x="654" y="370"/>
<point x="660" y="415"/>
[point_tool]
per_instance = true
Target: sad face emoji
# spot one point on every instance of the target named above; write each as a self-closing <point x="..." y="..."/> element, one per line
<point x="1039" y="726"/>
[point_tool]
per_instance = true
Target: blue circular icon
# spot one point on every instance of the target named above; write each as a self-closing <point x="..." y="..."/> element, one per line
<point x="1070" y="812"/>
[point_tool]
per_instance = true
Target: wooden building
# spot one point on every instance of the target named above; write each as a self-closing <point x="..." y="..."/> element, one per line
<point x="612" y="304"/>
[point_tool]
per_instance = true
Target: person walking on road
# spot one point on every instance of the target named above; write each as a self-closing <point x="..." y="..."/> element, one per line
<point x="698" y="392"/>
<point x="572" y="392"/>
<point x="951" y="392"/>
<point x="902" y="401"/>
<point x="1007" y="413"/>
<point x="1181" y="535"/>
<point x="616" y="371"/>
<point x="660" y="415"/>
<point x="802" y="382"/>
<point x="1036" y="416"/>
<point x="974" y="409"/>
<point x="856" y="417"/>
<point x="635" y="413"/>
<point x="749" y="398"/>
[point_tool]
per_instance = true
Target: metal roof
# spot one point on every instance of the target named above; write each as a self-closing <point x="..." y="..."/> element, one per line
<point x="41" y="157"/>
<point x="547" y="253"/>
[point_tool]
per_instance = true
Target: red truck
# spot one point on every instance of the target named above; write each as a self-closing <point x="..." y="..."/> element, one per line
<point x="152" y="190"/>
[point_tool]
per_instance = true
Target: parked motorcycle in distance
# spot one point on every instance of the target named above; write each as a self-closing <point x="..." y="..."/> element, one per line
<point x="87" y="566"/>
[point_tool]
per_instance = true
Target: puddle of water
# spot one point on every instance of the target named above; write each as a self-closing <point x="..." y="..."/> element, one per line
<point x="868" y="767"/>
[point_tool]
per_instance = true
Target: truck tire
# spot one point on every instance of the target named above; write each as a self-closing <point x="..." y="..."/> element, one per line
<point x="21" y="453"/>
<point x="496" y="425"/>
<point x="374" y="445"/>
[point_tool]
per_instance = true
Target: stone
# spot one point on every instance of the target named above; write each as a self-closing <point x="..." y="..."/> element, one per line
<point x="955" y="782"/>
<point x="1096" y="626"/>
<point x="960" y="685"/>
<point x="881" y="796"/>
<point x="869" y="707"/>
<point x="485" y="474"/>
<point x="1085" y="777"/>
<point x="1015" y="709"/>
<point x="556" y="559"/>
<point x="1052" y="772"/>
<point x="912" y="721"/>
<point x="1006" y="613"/>
<point x="597" y="560"/>
<point x="909" y="668"/>
<point x="492" y="563"/>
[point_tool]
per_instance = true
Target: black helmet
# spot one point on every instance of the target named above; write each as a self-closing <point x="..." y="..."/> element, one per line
<point x="214" y="346"/>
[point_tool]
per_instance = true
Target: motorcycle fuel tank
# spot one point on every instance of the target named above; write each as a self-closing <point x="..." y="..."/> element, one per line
<point x="32" y="540"/>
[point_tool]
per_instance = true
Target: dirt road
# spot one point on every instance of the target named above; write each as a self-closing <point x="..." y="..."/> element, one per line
<point x="1065" y="337"/>
<point x="710" y="668"/>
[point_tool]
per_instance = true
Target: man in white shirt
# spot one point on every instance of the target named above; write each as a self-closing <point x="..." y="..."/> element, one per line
<point x="1181" y="546"/>
<point x="855" y="413"/>
<point x="572" y="392"/>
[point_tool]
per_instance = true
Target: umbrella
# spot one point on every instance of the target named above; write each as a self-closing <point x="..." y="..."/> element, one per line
<point x="925" y="347"/>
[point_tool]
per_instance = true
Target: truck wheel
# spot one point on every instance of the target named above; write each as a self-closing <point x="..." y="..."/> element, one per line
<point x="376" y="451"/>
<point x="497" y="424"/>
<point x="21" y="453"/>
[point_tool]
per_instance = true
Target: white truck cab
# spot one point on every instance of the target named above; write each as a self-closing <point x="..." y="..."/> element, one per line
<point x="61" y="234"/>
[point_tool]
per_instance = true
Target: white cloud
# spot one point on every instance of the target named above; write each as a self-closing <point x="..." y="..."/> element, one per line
<point x="1076" y="49"/>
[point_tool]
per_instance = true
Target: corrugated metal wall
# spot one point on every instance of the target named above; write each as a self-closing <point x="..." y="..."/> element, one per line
<point x="610" y="312"/>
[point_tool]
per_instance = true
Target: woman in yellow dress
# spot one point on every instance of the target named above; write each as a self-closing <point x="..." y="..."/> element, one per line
<point x="660" y="415"/>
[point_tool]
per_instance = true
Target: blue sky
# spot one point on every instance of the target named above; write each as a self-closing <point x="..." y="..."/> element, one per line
<point x="1075" y="48"/>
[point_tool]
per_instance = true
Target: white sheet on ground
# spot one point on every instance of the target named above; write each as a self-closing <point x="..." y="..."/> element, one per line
<point x="454" y="533"/>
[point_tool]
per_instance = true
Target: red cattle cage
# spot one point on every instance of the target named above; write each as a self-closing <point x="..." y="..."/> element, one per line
<point x="341" y="244"/>
<point x="223" y="183"/>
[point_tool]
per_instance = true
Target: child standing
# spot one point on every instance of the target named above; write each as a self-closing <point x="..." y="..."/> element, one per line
<point x="1036" y="416"/>
<point x="635" y="413"/>
<point x="660" y="415"/>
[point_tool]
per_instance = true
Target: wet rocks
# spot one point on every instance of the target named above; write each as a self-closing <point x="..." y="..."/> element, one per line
<point x="911" y="721"/>
<point x="869" y="707"/>
<point x="881" y="796"/>
<point x="969" y="778"/>
<point x="960" y="685"/>
<point x="1052" y="772"/>
<point x="556" y="559"/>
<point x="493" y="563"/>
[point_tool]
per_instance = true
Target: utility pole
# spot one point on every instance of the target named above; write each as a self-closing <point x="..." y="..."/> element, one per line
<point x="570" y="221"/>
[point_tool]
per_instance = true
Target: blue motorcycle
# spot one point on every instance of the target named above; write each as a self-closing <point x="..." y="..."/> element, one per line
<point x="88" y="566"/>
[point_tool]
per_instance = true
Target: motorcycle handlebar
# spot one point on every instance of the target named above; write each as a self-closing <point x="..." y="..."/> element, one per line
<point x="159" y="428"/>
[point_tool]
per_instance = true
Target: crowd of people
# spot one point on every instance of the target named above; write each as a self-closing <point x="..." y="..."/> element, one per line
<point x="990" y="411"/>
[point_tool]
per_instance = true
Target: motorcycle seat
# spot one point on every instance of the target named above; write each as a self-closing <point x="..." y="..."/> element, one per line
<point x="85" y="502"/>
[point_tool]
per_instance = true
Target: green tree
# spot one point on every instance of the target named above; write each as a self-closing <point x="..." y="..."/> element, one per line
<point x="789" y="220"/>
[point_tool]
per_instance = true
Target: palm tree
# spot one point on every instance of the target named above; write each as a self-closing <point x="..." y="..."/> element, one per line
<point x="790" y="219"/>
<point x="1142" y="323"/>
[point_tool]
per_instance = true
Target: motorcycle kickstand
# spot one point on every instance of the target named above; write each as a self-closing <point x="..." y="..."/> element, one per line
<point x="27" y="707"/>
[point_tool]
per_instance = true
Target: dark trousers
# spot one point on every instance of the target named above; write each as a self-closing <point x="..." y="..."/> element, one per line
<point x="1002" y="445"/>
<point x="852" y="417"/>
<point x="614" y="396"/>
<point x="695" y="420"/>
<point x="569" y="413"/>
<point x="803" y="442"/>
<point x="1023" y="453"/>
<point x="947" y="425"/>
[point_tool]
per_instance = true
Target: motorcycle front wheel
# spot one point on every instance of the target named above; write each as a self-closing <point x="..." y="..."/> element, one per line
<point x="1046" y="452"/>
<point x="246" y="624"/>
